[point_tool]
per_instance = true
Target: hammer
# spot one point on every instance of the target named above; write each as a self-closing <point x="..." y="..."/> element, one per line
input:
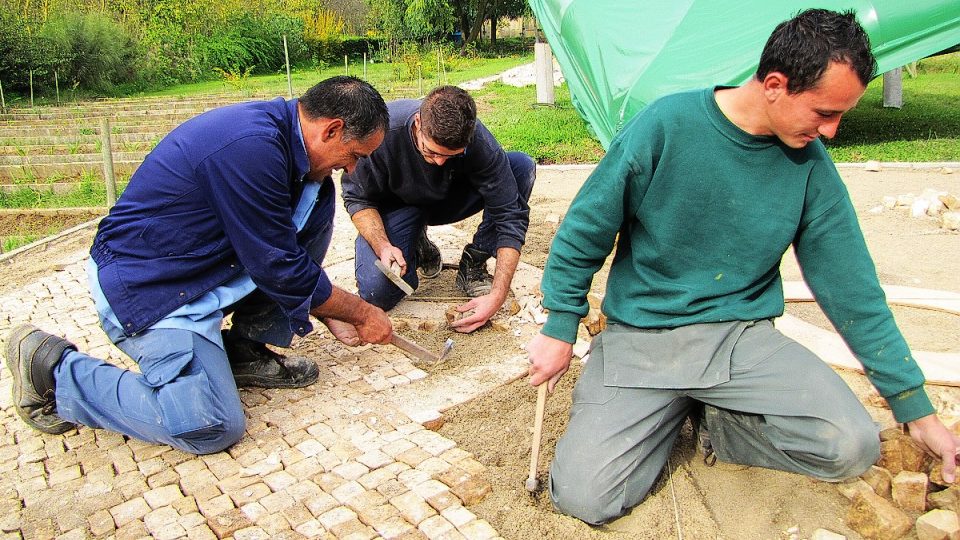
<point x="531" y="483"/>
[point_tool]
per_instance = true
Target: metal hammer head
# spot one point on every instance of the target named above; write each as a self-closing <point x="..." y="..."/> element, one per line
<point x="531" y="484"/>
<point x="447" y="347"/>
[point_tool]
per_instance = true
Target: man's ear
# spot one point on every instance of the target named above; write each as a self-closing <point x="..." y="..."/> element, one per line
<point x="774" y="85"/>
<point x="332" y="129"/>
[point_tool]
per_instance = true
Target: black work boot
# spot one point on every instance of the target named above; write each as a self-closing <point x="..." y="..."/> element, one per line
<point x="31" y="356"/>
<point x="473" y="278"/>
<point x="428" y="256"/>
<point x="702" y="435"/>
<point x="253" y="364"/>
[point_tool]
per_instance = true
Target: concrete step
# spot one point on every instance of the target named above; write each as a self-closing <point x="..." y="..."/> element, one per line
<point x="66" y="159"/>
<point x="54" y="172"/>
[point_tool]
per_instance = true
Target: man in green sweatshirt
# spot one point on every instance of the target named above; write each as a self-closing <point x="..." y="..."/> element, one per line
<point x="706" y="190"/>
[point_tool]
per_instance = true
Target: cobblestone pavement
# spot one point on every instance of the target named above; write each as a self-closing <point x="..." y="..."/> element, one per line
<point x="335" y="460"/>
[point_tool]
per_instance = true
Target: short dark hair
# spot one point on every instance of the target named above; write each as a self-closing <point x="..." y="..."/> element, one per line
<point x="448" y="116"/>
<point x="355" y="102"/>
<point x="803" y="47"/>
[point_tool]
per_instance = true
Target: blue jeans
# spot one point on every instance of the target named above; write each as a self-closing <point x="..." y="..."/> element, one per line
<point x="403" y="225"/>
<point x="185" y="395"/>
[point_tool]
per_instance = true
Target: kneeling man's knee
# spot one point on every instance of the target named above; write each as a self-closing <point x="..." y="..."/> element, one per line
<point x="586" y="498"/>
<point x="851" y="451"/>
<point x="215" y="438"/>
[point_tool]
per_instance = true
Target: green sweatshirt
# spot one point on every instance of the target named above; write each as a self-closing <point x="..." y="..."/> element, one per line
<point x="704" y="213"/>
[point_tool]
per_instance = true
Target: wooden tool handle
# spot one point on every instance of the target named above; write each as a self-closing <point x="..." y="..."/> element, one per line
<point x="414" y="349"/>
<point x="537" y="431"/>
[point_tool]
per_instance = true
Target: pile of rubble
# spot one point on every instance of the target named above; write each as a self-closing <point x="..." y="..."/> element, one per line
<point x="903" y="491"/>
<point x="940" y="205"/>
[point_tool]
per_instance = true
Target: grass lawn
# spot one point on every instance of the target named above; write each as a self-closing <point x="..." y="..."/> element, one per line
<point x="927" y="128"/>
<point x="394" y="81"/>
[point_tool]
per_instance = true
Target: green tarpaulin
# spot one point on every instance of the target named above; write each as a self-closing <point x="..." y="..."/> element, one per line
<point x="617" y="56"/>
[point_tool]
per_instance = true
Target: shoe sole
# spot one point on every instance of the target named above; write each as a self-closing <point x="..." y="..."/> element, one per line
<point x="14" y="340"/>
<point x="247" y="381"/>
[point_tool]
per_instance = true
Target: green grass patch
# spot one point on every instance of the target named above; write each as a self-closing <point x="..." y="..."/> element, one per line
<point x="549" y="134"/>
<point x="393" y="80"/>
<point x="927" y="128"/>
<point x="10" y="243"/>
<point x="89" y="192"/>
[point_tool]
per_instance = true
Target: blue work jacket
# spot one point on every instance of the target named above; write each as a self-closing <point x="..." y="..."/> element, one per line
<point x="215" y="198"/>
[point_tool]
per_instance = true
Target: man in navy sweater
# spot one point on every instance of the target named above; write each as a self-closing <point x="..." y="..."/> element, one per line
<point x="231" y="213"/>
<point x="438" y="164"/>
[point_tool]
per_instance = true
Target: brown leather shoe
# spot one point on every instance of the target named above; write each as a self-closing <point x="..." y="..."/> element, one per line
<point x="31" y="356"/>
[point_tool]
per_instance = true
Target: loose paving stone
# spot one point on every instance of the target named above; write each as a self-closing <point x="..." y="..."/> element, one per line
<point x="129" y="511"/>
<point x="227" y="523"/>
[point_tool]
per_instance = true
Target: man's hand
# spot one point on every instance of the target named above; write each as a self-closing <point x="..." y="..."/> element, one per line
<point x="483" y="308"/>
<point x="353" y="321"/>
<point x="549" y="359"/>
<point x="935" y="439"/>
<point x="391" y="254"/>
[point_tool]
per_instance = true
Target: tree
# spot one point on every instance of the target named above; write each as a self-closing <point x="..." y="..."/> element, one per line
<point x="471" y="14"/>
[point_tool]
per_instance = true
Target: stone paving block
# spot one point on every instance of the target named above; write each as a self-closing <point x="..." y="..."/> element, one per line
<point x="227" y="523"/>
<point x="347" y="491"/>
<point x="163" y="478"/>
<point x="397" y="447"/>
<point x="215" y="506"/>
<point x="305" y="468"/>
<point x="910" y="491"/>
<point x="374" y="459"/>
<point x="100" y="523"/>
<point x="291" y="456"/>
<point x="152" y="466"/>
<point x="392" y="488"/>
<point x="320" y="503"/>
<point x="329" y="481"/>
<point x="236" y="482"/>
<point x="175" y="457"/>
<point x="351" y="470"/>
<point x="273" y="524"/>
<point x="938" y="525"/>
<point x="251" y="493"/>
<point x="435" y="527"/>
<point x="395" y="527"/>
<point x="159" y="518"/>
<point x="413" y="477"/>
<point x="413" y="456"/>
<point x="201" y="532"/>
<point x="163" y="496"/>
<point x="190" y="467"/>
<point x="874" y="517"/>
<point x="310" y="447"/>
<point x="303" y="490"/>
<point x="478" y="530"/>
<point x="412" y="507"/>
<point x="434" y="466"/>
<point x="279" y="480"/>
<point x="131" y="510"/>
<point x="458" y="515"/>
<point x="336" y="517"/>
<point x="205" y="493"/>
<point x="310" y="529"/>
<point x="296" y="514"/>
<point x="254" y="511"/>
<point x="64" y="475"/>
<point x="191" y="520"/>
<point x="75" y="534"/>
<point x="251" y="533"/>
<point x="375" y="478"/>
<point x="275" y="502"/>
<point x="193" y="483"/>
<point x="169" y="532"/>
<point x="431" y="441"/>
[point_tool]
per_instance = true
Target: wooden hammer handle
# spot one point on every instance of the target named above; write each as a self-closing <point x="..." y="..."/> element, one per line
<point x="537" y="432"/>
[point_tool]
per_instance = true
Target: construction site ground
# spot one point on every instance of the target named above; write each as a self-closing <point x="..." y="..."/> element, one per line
<point x="350" y="456"/>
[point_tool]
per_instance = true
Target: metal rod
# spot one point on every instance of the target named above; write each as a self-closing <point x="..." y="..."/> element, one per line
<point x="106" y="151"/>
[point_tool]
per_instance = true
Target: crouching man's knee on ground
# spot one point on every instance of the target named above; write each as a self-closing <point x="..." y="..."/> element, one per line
<point x="214" y="438"/>
<point x="849" y="451"/>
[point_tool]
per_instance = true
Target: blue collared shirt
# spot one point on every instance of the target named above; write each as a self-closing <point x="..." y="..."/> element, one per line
<point x="213" y="202"/>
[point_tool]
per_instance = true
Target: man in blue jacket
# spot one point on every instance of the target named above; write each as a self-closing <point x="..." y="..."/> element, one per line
<point x="231" y="213"/>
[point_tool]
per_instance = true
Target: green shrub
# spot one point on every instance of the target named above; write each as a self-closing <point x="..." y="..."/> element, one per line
<point x="91" y="51"/>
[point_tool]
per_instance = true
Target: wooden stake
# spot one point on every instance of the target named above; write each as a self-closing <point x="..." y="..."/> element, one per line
<point x="3" y="102"/>
<point x="105" y="150"/>
<point x="31" y="88"/>
<point x="531" y="483"/>
<point x="286" y="56"/>
<point x="346" y="65"/>
<point x="56" y="82"/>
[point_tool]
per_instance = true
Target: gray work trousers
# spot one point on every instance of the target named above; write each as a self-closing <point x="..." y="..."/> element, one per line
<point x="770" y="402"/>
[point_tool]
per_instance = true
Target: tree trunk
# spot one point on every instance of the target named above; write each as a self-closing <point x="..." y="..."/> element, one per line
<point x="481" y="15"/>
<point x="494" y="16"/>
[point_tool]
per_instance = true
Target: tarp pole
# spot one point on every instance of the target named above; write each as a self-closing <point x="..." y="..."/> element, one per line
<point x="893" y="88"/>
<point x="543" y="67"/>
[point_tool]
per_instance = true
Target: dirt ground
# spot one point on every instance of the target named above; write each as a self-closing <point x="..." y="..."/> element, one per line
<point x="693" y="500"/>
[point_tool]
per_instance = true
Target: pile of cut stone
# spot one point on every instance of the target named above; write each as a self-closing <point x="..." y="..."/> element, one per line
<point x="903" y="491"/>
<point x="940" y="205"/>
